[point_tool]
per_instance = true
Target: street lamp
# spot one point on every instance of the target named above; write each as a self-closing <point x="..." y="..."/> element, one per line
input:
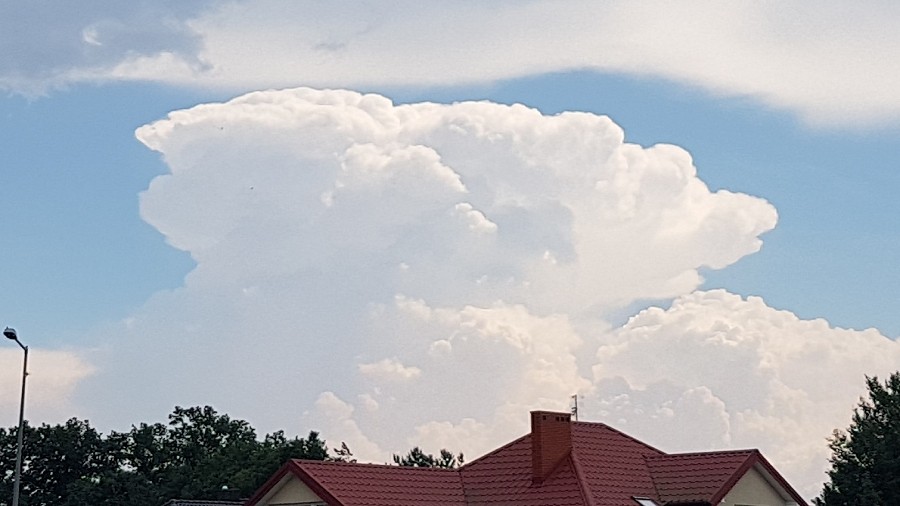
<point x="11" y="334"/>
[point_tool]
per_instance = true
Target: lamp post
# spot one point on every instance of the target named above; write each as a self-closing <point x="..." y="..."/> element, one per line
<point x="11" y="334"/>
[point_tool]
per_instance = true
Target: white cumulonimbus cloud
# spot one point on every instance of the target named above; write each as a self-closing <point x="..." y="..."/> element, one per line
<point x="424" y="274"/>
<point x="718" y="371"/>
<point x="806" y="58"/>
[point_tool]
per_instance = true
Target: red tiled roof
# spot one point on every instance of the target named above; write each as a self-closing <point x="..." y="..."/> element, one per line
<point x="503" y="477"/>
<point x="697" y="477"/>
<point x="612" y="464"/>
<point x="706" y="477"/>
<point x="383" y="485"/>
<point x="604" y="468"/>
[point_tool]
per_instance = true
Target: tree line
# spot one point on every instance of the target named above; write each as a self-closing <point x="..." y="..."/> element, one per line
<point x="198" y="454"/>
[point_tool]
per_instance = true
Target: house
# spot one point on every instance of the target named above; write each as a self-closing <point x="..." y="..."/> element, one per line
<point x="560" y="463"/>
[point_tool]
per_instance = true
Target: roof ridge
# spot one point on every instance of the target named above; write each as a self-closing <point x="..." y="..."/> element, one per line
<point x="746" y="451"/>
<point x="372" y="464"/>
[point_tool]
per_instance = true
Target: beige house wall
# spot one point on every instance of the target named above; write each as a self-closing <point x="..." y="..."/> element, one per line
<point x="753" y="490"/>
<point x="292" y="492"/>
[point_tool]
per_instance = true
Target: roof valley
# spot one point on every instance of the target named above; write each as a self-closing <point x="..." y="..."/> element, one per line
<point x="582" y="483"/>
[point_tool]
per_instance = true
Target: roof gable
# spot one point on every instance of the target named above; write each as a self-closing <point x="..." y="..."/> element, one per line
<point x="698" y="477"/>
<point x="292" y="490"/>
<point x="707" y="477"/>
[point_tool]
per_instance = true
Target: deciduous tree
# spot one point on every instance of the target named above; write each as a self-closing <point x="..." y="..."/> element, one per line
<point x="198" y="454"/>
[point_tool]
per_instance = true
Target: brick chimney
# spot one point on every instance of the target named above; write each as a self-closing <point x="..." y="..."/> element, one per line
<point x="551" y="441"/>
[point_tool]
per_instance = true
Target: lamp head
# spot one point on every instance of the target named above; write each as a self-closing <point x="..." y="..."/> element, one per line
<point x="10" y="333"/>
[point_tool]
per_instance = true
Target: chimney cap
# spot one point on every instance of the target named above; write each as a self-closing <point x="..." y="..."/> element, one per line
<point x="565" y="414"/>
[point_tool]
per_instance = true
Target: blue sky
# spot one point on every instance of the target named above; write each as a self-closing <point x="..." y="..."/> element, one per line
<point x="177" y="267"/>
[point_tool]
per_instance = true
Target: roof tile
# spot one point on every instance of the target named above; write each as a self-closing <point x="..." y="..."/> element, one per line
<point x="695" y="477"/>
<point x="612" y="464"/>
<point x="503" y="477"/>
<point x="384" y="485"/>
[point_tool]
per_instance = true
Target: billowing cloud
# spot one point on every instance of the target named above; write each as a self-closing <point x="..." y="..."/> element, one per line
<point x="717" y="371"/>
<point x="478" y="243"/>
<point x="809" y="59"/>
<point x="426" y="274"/>
<point x="53" y="376"/>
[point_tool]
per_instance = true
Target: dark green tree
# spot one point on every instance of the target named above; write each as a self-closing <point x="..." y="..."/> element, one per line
<point x="417" y="458"/>
<point x="448" y="460"/>
<point x="145" y="450"/>
<point x="203" y="454"/>
<point x="343" y="454"/>
<point x="865" y="461"/>
<point x="198" y="454"/>
<point x="238" y="469"/>
<point x="7" y="464"/>
<point x="113" y="488"/>
<point x="54" y="457"/>
<point x="202" y="449"/>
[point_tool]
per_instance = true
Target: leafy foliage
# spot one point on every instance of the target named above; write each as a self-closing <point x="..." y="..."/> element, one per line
<point x="343" y="453"/>
<point x="865" y="461"/>
<point x="417" y="458"/>
<point x="53" y="457"/>
<point x="199" y="454"/>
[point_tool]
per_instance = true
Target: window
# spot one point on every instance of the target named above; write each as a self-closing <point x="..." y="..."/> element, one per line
<point x="643" y="501"/>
